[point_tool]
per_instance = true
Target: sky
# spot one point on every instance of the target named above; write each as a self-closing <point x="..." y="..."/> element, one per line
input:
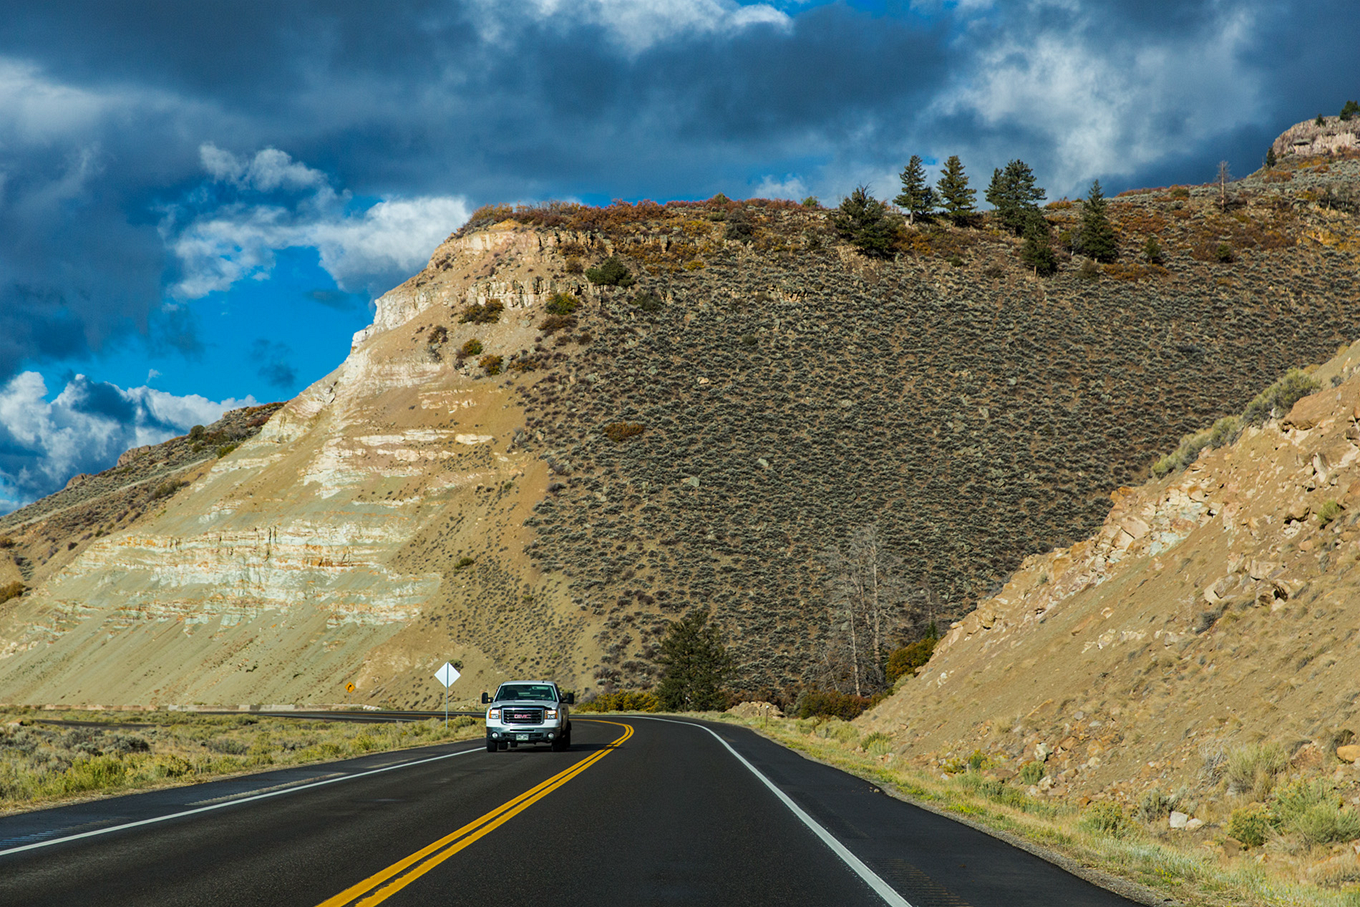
<point x="199" y="202"/>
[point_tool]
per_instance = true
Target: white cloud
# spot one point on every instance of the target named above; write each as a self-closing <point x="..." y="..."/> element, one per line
<point x="1104" y="108"/>
<point x="636" y="25"/>
<point x="238" y="239"/>
<point x="85" y="428"/>
<point x="791" y="186"/>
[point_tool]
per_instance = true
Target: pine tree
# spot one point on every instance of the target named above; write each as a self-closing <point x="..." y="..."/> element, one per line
<point x="863" y="221"/>
<point x="695" y="666"/>
<point x="1014" y="195"/>
<point x="917" y="198"/>
<point x="1037" y="249"/>
<point x="1096" y="236"/>
<point x="1349" y="110"/>
<point x="955" y="196"/>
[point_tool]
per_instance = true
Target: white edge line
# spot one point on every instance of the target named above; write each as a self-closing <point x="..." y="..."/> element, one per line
<point x="880" y="887"/>
<point x="223" y="805"/>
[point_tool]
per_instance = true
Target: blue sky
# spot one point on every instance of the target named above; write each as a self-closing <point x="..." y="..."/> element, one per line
<point x="199" y="201"/>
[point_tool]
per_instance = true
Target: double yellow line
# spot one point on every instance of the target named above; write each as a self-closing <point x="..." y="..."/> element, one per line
<point x="382" y="885"/>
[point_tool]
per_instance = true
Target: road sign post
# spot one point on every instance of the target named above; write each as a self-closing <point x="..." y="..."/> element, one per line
<point x="447" y="675"/>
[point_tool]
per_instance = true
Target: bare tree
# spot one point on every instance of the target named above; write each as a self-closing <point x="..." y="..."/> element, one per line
<point x="867" y="596"/>
<point x="1224" y="177"/>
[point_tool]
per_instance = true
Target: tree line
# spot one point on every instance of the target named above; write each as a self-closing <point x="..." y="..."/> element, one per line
<point x="1014" y="194"/>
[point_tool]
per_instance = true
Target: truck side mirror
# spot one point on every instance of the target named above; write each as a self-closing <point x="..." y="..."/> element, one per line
<point x="571" y="699"/>
<point x="485" y="699"/>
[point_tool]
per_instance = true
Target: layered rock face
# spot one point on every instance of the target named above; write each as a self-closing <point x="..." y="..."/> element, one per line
<point x="294" y="565"/>
<point x="1310" y="138"/>
<point x="1215" y="608"/>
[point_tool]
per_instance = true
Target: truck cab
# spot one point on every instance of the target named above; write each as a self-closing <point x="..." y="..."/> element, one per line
<point x="528" y="711"/>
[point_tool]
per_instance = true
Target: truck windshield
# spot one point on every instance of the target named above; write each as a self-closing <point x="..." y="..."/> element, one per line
<point x="510" y="693"/>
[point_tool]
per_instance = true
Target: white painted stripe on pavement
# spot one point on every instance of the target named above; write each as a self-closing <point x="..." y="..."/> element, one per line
<point x="880" y="887"/>
<point x="223" y="805"/>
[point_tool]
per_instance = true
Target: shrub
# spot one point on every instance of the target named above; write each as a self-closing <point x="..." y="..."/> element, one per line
<point x="1106" y="818"/>
<point x="225" y="449"/>
<point x="1152" y="250"/>
<point x="1088" y="270"/>
<point x="647" y="301"/>
<point x="464" y="563"/>
<point x="562" y="304"/>
<point x="488" y="312"/>
<point x="1155" y="806"/>
<point x="554" y="323"/>
<point x="831" y="704"/>
<point x="492" y="364"/>
<point x="1251" y="824"/>
<point x="739" y="226"/>
<point x="876" y="744"/>
<point x="6" y="542"/>
<point x="1313" y="810"/>
<point x="1349" y="110"/>
<point x="622" y="701"/>
<point x="622" y="431"/>
<point x="1329" y="511"/>
<point x="612" y="272"/>
<point x="167" y="488"/>
<point x="11" y="590"/>
<point x="1223" y="253"/>
<point x="1032" y="772"/>
<point x="1252" y="769"/>
<point x="472" y="348"/>
<point x="438" y="334"/>
<point x="1276" y="400"/>
<point x="908" y="658"/>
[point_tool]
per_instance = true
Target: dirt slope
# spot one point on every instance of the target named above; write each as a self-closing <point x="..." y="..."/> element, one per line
<point x="1214" y="609"/>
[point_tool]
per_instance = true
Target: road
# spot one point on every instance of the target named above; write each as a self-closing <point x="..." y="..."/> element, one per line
<point x="640" y="811"/>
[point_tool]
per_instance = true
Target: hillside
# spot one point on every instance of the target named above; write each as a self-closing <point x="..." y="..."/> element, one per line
<point x="1212" y="615"/>
<point x="694" y="439"/>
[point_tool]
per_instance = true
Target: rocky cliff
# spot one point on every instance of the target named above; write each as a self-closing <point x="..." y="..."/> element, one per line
<point x="530" y="483"/>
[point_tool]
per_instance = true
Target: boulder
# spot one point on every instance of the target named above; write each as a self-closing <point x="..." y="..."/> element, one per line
<point x="1348" y="753"/>
<point x="1178" y="819"/>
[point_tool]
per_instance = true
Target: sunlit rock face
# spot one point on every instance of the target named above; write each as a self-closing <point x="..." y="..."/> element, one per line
<point x="328" y="544"/>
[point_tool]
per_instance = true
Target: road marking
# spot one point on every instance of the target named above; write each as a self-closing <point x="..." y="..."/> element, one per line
<point x="880" y="887"/>
<point x="283" y="789"/>
<point x="383" y="884"/>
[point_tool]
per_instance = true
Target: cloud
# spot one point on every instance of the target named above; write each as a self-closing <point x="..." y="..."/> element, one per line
<point x="277" y="203"/>
<point x="85" y="428"/>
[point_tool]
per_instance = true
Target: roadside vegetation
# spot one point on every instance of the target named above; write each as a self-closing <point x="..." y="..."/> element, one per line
<point x="1301" y="849"/>
<point x="42" y="764"/>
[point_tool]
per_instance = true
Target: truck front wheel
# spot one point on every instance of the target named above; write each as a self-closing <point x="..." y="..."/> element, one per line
<point x="491" y="745"/>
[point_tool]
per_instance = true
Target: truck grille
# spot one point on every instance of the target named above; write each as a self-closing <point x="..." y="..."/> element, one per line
<point x="522" y="715"/>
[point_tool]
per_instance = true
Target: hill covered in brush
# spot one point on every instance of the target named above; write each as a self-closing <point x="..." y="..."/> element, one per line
<point x="579" y="423"/>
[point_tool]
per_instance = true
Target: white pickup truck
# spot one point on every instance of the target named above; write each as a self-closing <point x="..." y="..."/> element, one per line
<point x="528" y="711"/>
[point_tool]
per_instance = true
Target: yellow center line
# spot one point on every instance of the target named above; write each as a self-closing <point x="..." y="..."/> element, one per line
<point x="386" y="882"/>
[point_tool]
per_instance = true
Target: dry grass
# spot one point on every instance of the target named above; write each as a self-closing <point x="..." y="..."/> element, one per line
<point x="42" y="765"/>
<point x="1180" y="867"/>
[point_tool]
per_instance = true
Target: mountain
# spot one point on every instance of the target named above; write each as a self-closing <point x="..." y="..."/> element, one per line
<point x="1213" y="611"/>
<point x="529" y="472"/>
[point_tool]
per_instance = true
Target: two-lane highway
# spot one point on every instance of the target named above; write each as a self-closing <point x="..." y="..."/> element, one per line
<point x="639" y="811"/>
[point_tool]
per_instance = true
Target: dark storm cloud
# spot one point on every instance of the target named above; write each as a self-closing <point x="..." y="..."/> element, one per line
<point x="106" y="107"/>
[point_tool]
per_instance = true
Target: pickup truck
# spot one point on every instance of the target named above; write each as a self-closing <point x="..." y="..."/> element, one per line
<point x="528" y="711"/>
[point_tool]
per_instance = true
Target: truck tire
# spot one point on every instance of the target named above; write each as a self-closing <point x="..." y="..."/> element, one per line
<point x="491" y="745"/>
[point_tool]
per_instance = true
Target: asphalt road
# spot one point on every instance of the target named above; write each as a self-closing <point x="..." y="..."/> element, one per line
<point x="638" y="812"/>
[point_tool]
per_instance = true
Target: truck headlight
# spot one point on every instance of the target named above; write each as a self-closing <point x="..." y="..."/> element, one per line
<point x="550" y="713"/>
<point x="493" y="714"/>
